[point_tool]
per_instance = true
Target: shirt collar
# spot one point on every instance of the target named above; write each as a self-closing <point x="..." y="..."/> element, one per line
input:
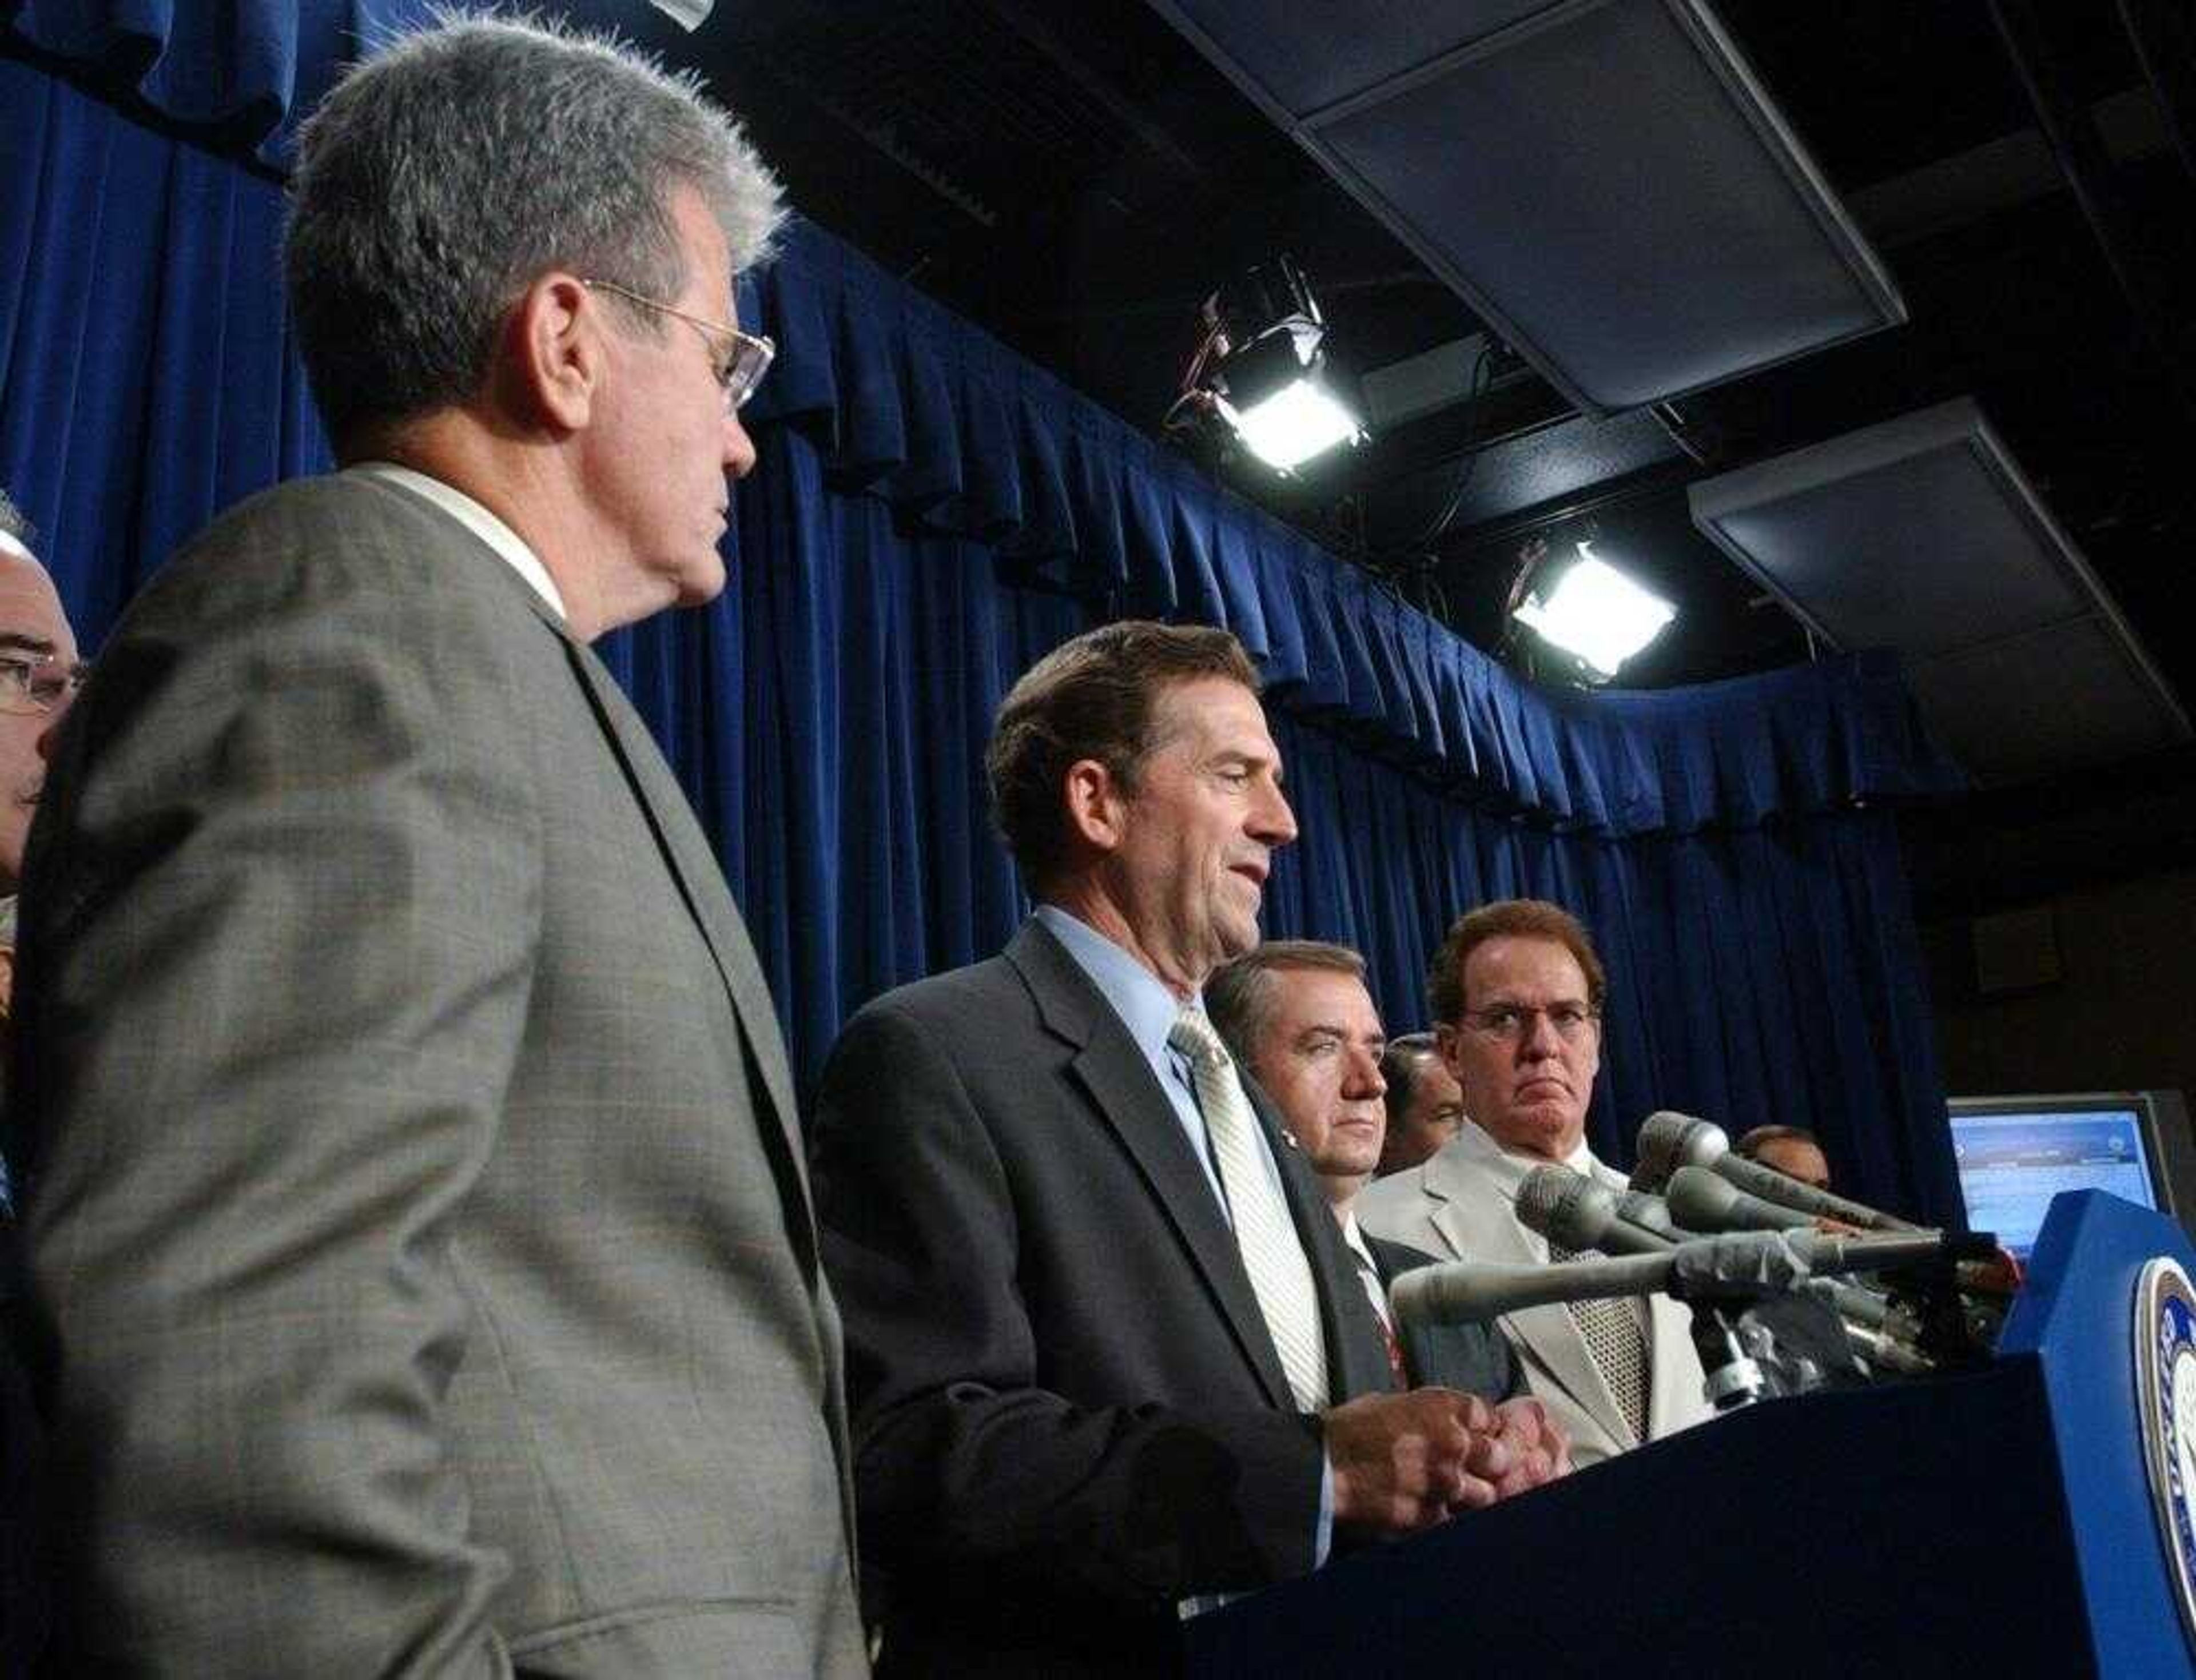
<point x="1356" y="1239"/>
<point x="491" y="530"/>
<point x="1139" y="997"/>
<point x="1508" y="1170"/>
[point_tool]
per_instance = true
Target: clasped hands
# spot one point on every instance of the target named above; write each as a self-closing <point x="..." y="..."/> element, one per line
<point x="1405" y="1462"/>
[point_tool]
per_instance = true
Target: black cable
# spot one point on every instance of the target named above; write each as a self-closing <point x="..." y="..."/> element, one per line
<point x="1482" y="379"/>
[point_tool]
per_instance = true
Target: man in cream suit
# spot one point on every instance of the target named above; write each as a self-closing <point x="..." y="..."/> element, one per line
<point x="424" y="1270"/>
<point x="1516" y="991"/>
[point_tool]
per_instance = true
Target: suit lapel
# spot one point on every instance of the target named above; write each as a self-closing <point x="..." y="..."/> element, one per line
<point x="1479" y="1221"/>
<point x="1120" y="1085"/>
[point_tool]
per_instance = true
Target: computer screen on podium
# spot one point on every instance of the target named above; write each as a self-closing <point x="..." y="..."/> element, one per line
<point x="2015" y="1153"/>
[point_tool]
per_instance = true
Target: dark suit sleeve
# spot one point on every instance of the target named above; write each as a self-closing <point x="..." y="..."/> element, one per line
<point x="970" y="1466"/>
<point x="279" y="949"/>
<point x="1473" y="1357"/>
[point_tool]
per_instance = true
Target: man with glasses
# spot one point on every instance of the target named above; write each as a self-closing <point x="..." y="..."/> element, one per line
<point x="1516" y="992"/>
<point x="40" y="675"/>
<point x="416" y="1211"/>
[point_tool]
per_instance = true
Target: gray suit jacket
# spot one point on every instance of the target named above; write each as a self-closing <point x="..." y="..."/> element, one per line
<point x="1453" y="1208"/>
<point x="416" y="1221"/>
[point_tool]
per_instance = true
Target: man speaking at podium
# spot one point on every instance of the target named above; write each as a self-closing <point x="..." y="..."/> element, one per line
<point x="1516" y="991"/>
<point x="1106" y="1353"/>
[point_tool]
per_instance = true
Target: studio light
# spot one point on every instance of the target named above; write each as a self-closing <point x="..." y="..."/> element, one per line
<point x="1263" y="371"/>
<point x="1597" y="614"/>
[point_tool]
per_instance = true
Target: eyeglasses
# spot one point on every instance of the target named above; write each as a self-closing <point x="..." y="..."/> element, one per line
<point x="738" y="369"/>
<point x="32" y="684"/>
<point x="1510" y="1022"/>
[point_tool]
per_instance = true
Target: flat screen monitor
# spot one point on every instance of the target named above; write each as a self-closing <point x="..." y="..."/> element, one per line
<point x="2015" y="1153"/>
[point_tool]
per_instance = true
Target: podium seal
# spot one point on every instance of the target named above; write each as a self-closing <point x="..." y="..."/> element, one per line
<point x="2165" y="1385"/>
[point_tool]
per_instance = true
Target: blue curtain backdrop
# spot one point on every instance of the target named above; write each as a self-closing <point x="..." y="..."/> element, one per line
<point x="930" y="515"/>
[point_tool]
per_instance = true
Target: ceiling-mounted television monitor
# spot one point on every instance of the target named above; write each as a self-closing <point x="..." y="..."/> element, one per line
<point x="2015" y="1153"/>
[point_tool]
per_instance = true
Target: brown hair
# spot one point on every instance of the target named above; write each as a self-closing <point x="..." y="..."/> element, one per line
<point x="1095" y="697"/>
<point x="1508" y="918"/>
<point x="1240" y="996"/>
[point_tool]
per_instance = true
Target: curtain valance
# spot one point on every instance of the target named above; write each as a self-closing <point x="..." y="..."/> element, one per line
<point x="965" y="438"/>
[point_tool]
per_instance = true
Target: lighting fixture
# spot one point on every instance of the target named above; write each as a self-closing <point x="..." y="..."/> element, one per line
<point x="1264" y="374"/>
<point x="1597" y="614"/>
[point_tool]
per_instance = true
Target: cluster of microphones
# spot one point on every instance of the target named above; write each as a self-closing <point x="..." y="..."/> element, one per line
<point x="1792" y="1288"/>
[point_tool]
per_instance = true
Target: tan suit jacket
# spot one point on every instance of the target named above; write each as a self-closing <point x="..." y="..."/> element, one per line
<point x="1456" y="1205"/>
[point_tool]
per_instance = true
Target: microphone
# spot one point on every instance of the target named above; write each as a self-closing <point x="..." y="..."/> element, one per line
<point x="1651" y="1212"/>
<point x="1571" y="1209"/>
<point x="1669" y="1141"/>
<point x="1708" y="1202"/>
<point x="1459" y="1289"/>
<point x="1747" y="1265"/>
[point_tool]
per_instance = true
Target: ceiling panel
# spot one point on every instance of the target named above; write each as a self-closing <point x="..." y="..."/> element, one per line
<point x="1923" y="534"/>
<point x="1604" y="181"/>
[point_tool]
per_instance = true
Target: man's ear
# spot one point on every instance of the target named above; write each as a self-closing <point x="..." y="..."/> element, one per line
<point x="1096" y="811"/>
<point x="555" y="354"/>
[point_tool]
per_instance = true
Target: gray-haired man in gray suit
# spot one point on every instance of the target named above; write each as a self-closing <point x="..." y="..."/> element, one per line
<point x="416" y="1216"/>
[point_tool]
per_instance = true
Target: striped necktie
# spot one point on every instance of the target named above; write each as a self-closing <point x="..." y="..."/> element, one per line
<point x="1273" y="1255"/>
<point x="1369" y="1274"/>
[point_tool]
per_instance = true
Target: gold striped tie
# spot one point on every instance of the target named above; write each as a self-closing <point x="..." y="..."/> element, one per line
<point x="1280" y="1275"/>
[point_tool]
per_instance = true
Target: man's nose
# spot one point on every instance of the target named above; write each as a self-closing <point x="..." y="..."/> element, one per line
<point x="1540" y="1039"/>
<point x="1271" y="819"/>
<point x="739" y="447"/>
<point x="1362" y="1072"/>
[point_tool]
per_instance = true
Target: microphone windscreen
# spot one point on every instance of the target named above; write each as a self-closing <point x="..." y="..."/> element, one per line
<point x="1669" y="1141"/>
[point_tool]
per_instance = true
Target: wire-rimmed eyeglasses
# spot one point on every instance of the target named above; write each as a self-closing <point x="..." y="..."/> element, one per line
<point x="33" y="684"/>
<point x="739" y="368"/>
<point x="1506" y="1023"/>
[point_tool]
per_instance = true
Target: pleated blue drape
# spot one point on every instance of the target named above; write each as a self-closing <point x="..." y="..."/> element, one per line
<point x="930" y="515"/>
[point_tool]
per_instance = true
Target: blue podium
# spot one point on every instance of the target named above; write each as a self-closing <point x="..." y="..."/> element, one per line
<point x="1994" y="1523"/>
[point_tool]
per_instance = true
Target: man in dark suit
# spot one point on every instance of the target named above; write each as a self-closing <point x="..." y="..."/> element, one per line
<point x="1106" y="1355"/>
<point x="425" y="1267"/>
<point x="1296" y="1014"/>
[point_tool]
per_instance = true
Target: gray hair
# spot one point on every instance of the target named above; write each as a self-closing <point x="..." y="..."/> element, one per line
<point x="1240" y="995"/>
<point x="460" y="162"/>
<point x="13" y="523"/>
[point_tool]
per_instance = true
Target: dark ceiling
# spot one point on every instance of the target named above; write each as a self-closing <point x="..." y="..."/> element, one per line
<point x="1075" y="178"/>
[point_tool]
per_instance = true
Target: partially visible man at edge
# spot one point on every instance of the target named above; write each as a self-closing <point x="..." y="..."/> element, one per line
<point x="414" y="1197"/>
<point x="1105" y="1353"/>
<point x="1793" y="1151"/>
<point x="40" y="675"/>
<point x="1425" y="1103"/>
<point x="1298" y="1015"/>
